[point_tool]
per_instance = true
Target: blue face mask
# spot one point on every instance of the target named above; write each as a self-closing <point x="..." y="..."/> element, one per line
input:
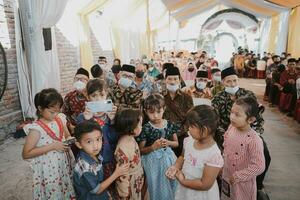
<point x="201" y="85"/>
<point x="125" y="82"/>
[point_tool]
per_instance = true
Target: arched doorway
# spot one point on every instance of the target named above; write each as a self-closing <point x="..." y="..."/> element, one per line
<point x="223" y="46"/>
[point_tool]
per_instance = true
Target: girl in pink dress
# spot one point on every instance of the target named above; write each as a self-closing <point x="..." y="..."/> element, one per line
<point x="243" y="152"/>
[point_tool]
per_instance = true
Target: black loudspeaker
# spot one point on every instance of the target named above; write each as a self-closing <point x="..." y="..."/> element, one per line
<point x="47" y="39"/>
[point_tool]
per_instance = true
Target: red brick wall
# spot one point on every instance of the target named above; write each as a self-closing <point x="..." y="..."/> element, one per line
<point x="69" y="60"/>
<point x="10" y="109"/>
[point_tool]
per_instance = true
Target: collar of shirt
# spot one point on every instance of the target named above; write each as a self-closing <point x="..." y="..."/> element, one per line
<point x="178" y="93"/>
<point x="89" y="159"/>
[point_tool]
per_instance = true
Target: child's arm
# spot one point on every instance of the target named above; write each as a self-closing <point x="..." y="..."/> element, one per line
<point x="171" y="172"/>
<point x="30" y="150"/>
<point x="66" y="132"/>
<point x="119" y="171"/>
<point x="171" y="143"/>
<point x="156" y="145"/>
<point x="204" y="183"/>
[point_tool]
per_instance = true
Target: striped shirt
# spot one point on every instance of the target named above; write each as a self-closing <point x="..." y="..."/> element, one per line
<point x="243" y="160"/>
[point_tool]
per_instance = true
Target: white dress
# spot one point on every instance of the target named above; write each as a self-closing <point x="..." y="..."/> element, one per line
<point x="193" y="166"/>
<point x="52" y="172"/>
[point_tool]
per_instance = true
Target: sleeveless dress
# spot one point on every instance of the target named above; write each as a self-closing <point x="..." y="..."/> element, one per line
<point x="193" y="166"/>
<point x="51" y="171"/>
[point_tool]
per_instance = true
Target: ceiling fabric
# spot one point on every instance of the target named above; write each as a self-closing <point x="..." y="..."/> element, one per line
<point x="286" y="3"/>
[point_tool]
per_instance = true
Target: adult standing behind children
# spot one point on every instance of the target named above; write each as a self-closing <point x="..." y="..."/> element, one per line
<point x="124" y="95"/>
<point x="74" y="102"/>
<point x="223" y="102"/>
<point x="177" y="104"/>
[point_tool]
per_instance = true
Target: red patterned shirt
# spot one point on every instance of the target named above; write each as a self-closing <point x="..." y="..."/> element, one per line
<point x="74" y="104"/>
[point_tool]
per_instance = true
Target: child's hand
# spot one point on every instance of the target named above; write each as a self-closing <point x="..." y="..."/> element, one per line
<point x="180" y="177"/>
<point x="122" y="169"/>
<point x="59" y="146"/>
<point x="87" y="114"/>
<point x="171" y="172"/>
<point x="232" y="180"/>
<point x="112" y="114"/>
<point x="157" y="144"/>
<point x="165" y="142"/>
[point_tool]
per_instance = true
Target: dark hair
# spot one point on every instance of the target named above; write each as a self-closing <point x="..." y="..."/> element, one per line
<point x="95" y="85"/>
<point x="250" y="106"/>
<point x="203" y="116"/>
<point x="292" y="60"/>
<point x="47" y="98"/>
<point x="154" y="101"/>
<point x="85" y="127"/>
<point x="275" y="56"/>
<point x="102" y="58"/>
<point x="96" y="71"/>
<point x="127" y="120"/>
<point x="116" y="59"/>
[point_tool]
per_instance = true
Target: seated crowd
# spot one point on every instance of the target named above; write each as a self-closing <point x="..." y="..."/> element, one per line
<point x="174" y="127"/>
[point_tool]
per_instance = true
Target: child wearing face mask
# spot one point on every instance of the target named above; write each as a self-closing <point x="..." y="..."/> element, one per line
<point x="96" y="91"/>
<point x="243" y="152"/>
<point x="157" y="138"/>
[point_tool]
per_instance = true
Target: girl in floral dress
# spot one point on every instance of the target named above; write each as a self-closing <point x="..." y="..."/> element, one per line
<point x="52" y="160"/>
<point x="156" y="140"/>
<point x="200" y="163"/>
<point x="128" y="123"/>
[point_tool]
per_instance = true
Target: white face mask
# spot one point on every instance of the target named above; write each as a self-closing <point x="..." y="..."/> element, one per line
<point x="201" y="85"/>
<point x="231" y="90"/>
<point x="102" y="66"/>
<point x="125" y="82"/>
<point x="150" y="69"/>
<point x="217" y="78"/>
<point x="79" y="85"/>
<point x="172" y="88"/>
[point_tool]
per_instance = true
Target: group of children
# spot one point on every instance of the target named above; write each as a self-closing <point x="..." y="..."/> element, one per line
<point x="127" y="153"/>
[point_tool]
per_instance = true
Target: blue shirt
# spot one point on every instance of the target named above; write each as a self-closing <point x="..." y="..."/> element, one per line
<point x="87" y="178"/>
<point x="145" y="86"/>
<point x="110" y="139"/>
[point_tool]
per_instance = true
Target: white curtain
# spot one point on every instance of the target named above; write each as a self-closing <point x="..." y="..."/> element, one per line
<point x="264" y="35"/>
<point x="282" y="32"/>
<point x="43" y="66"/>
<point x="24" y="85"/>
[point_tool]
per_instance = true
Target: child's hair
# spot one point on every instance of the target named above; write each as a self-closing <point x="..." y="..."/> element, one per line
<point x="249" y="105"/>
<point x="203" y="116"/>
<point x="47" y="98"/>
<point x="127" y="120"/>
<point x="96" y="71"/>
<point x="154" y="101"/>
<point x="85" y="127"/>
<point x="95" y="85"/>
